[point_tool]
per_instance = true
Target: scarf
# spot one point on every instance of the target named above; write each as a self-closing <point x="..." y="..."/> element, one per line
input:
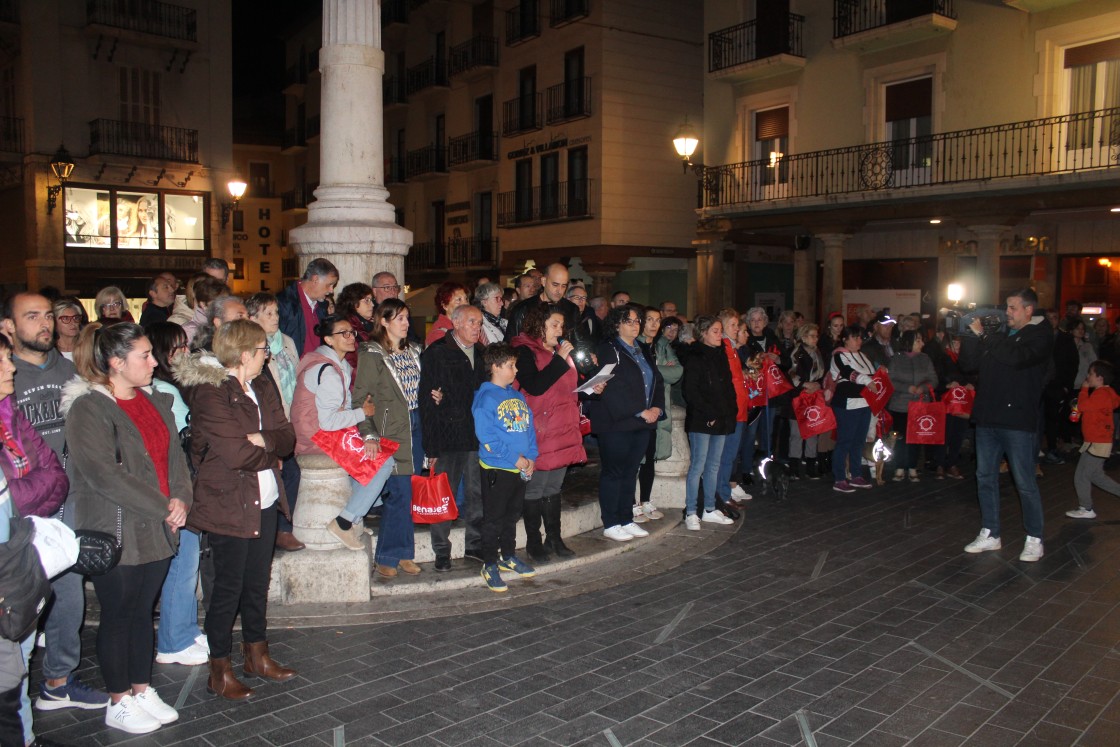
<point x="497" y="321"/>
<point x="285" y="365"/>
<point x="19" y="460"/>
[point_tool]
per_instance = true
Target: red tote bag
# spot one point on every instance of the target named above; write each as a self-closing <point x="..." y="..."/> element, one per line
<point x="348" y="449"/>
<point x="925" y="422"/>
<point x="814" y="416"/>
<point x="775" y="382"/>
<point x="878" y="392"/>
<point x="958" y="401"/>
<point x="432" y="499"/>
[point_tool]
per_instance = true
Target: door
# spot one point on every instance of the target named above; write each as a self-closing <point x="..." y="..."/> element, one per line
<point x="439" y="153"/>
<point x="484" y="126"/>
<point x="523" y="186"/>
<point x="527" y="98"/>
<point x="578" y="183"/>
<point x="484" y="253"/>
<point x="439" y="216"/>
<point x="550" y="186"/>
<point x="573" y="83"/>
<point x="909" y="127"/>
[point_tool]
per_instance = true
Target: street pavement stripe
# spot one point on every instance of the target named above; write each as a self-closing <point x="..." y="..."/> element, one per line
<point x="340" y="736"/>
<point x="1007" y="563"/>
<point x="611" y="738"/>
<point x="668" y="629"/>
<point x="820" y="565"/>
<point x="187" y="686"/>
<point x="1076" y="555"/>
<point x="962" y="670"/>
<point x="806" y="732"/>
<point x="954" y="597"/>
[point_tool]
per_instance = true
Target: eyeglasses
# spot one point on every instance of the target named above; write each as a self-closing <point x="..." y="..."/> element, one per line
<point x="111" y="305"/>
<point x="68" y="318"/>
<point x="577" y="298"/>
<point x="387" y="287"/>
<point x="630" y="321"/>
<point x="265" y="349"/>
<point x="344" y="333"/>
<point x="367" y="299"/>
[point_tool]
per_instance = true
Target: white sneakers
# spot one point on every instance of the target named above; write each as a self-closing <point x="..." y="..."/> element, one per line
<point x="1032" y="550"/>
<point x="715" y="517"/>
<point x="651" y="511"/>
<point x="983" y="542"/>
<point x="141" y="713"/>
<point x="617" y="533"/>
<point x="692" y="521"/>
<point x="739" y="495"/>
<point x="640" y="515"/>
<point x="635" y="531"/>
<point x="1082" y="513"/>
<point x="191" y="656"/>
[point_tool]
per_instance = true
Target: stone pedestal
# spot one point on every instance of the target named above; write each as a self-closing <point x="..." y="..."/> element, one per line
<point x="670" y="474"/>
<point x="324" y="489"/>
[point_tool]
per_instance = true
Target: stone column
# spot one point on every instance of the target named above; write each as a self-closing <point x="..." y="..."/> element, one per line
<point x="987" y="265"/>
<point x="351" y="222"/>
<point x="805" y="283"/>
<point x="832" y="295"/>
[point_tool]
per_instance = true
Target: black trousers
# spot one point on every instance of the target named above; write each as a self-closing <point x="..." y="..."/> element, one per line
<point x="126" y="637"/>
<point x="620" y="453"/>
<point x="241" y="574"/>
<point x="502" y="495"/>
<point x="11" y="726"/>
<point x="645" y="472"/>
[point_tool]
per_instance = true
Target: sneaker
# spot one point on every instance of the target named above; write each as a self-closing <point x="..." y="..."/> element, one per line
<point x="739" y="495"/>
<point x="346" y="536"/>
<point x="651" y="511"/>
<point x="913" y="475"/>
<point x="635" y="530"/>
<point x="1082" y="513"/>
<point x="715" y="517"/>
<point x="153" y="705"/>
<point x="74" y="694"/>
<point x="640" y="515"/>
<point x="983" y="542"/>
<point x="443" y="563"/>
<point x="514" y="564"/>
<point x="617" y="533"/>
<point x="127" y="715"/>
<point x="474" y="553"/>
<point x="955" y="473"/>
<point x="191" y="656"/>
<point x="493" y="578"/>
<point x="843" y="486"/>
<point x="692" y="522"/>
<point x="899" y="475"/>
<point x="1051" y="457"/>
<point x="859" y="482"/>
<point x="201" y="641"/>
<point x="1032" y="550"/>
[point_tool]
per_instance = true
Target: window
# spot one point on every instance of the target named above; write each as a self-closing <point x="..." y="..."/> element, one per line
<point x="573" y="83"/>
<point x="484" y="126"/>
<point x="527" y="98"/>
<point x="139" y="96"/>
<point x="260" y="179"/>
<point x="909" y="118"/>
<point x="550" y="185"/>
<point x="578" y="183"/>
<point x="523" y="191"/>
<point x="118" y="219"/>
<point x="771" y="143"/>
<point x="1094" y="84"/>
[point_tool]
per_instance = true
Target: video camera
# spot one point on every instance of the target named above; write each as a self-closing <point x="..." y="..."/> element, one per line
<point x="992" y="318"/>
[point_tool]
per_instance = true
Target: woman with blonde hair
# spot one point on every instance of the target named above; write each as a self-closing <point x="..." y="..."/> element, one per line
<point x="68" y="318"/>
<point x="111" y="306"/>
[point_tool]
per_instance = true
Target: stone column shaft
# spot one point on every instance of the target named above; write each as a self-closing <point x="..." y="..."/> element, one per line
<point x="832" y="295"/>
<point x="987" y="265"/>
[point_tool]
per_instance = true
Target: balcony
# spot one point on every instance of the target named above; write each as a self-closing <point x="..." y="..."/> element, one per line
<point x="314" y="124"/>
<point x="473" y="150"/>
<point x="11" y="135"/>
<point x="568" y="101"/>
<point x="871" y="25"/>
<point x="9" y="11"/>
<point x="473" y="58"/>
<point x="113" y="137"/>
<point x="568" y="11"/>
<point x="736" y="54"/>
<point x="293" y="141"/>
<point x="522" y="23"/>
<point x="546" y="204"/>
<point x="429" y="74"/>
<point x="522" y="114"/>
<point x="393" y="12"/>
<point x="145" y="17"/>
<point x="427" y="162"/>
<point x="1068" y="144"/>
<point x="296" y="200"/>
<point x="393" y="92"/>
<point x="396" y="171"/>
<point x="442" y="255"/>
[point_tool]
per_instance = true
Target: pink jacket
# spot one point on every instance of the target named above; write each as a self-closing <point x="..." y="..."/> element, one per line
<point x="43" y="489"/>
<point x="555" y="405"/>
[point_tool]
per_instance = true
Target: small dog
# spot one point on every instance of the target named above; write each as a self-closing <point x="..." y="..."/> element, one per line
<point x="878" y="453"/>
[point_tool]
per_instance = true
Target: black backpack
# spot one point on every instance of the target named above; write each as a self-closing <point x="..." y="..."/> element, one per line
<point x="24" y="588"/>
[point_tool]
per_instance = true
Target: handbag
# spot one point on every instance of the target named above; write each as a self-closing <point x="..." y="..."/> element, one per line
<point x="878" y="391"/>
<point x="958" y="401"/>
<point x="24" y="588"/>
<point x="98" y="552"/>
<point x="584" y="423"/>
<point x="347" y="448"/>
<point x="433" y="500"/>
<point x="813" y="414"/>
<point x="925" y="422"/>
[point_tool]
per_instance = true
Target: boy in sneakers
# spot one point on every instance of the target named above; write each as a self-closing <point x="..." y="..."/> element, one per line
<point x="507" y="449"/>
<point x="1096" y="402"/>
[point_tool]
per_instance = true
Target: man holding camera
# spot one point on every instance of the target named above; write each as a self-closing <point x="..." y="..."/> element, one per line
<point x="1012" y="368"/>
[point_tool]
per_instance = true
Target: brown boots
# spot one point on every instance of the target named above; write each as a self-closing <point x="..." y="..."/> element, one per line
<point x="259" y="664"/>
<point x="223" y="682"/>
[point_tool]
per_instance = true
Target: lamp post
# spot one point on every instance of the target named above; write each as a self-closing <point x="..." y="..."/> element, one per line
<point x="236" y="187"/>
<point x="61" y="166"/>
<point x="685" y="142"/>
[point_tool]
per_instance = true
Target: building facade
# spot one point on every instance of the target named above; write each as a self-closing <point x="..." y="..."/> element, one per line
<point x="909" y="144"/>
<point x="138" y="95"/>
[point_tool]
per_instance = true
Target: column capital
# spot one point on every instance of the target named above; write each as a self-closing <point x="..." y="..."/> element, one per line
<point x="988" y="231"/>
<point x="833" y="240"/>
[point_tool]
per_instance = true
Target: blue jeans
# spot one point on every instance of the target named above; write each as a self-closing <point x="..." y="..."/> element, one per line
<point x="178" y="608"/>
<point x="64" y="617"/>
<point x="707" y="451"/>
<point x="396" y="540"/>
<point x="289" y="475"/>
<point x="363" y="497"/>
<point x="1019" y="447"/>
<point x="729" y="451"/>
<point x="761" y="428"/>
<point x="27" y="646"/>
<point x="851" y="433"/>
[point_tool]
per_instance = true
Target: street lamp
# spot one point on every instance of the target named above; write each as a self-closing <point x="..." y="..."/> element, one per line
<point x="61" y="166"/>
<point x="955" y="292"/>
<point x="236" y="187"/>
<point x="685" y="143"/>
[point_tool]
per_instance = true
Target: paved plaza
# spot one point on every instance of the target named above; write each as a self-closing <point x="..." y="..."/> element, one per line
<point x="825" y="619"/>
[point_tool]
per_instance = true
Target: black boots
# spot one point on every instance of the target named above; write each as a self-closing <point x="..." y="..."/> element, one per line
<point x="531" y="515"/>
<point x="550" y="511"/>
<point x="812" y="470"/>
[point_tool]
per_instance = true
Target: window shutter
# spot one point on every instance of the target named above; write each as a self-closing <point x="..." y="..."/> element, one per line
<point x="910" y="100"/>
<point x="772" y="123"/>
<point x="1091" y="54"/>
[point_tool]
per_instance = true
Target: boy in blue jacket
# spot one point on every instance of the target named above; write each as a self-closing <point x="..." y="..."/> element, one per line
<point x="507" y="449"/>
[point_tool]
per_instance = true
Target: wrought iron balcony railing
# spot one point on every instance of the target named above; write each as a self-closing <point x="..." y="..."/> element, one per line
<point x="549" y="202"/>
<point x="294" y="137"/>
<point x="1055" y="145"/>
<point x="146" y="16"/>
<point x="393" y="91"/>
<point x="11" y="135"/>
<point x="740" y="44"/>
<point x="523" y="23"/>
<point x="522" y="114"/>
<point x="431" y="159"/>
<point x="478" y="51"/>
<point x="476" y="251"/>
<point x="567" y="11"/>
<point x="110" y="136"/>
<point x="429" y="73"/>
<point x="396" y="173"/>
<point x="568" y="100"/>
<point x="474" y="146"/>
<point x="296" y="199"/>
<point x="853" y="16"/>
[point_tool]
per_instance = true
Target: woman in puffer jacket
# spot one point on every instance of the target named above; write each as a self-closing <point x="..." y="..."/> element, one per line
<point x="913" y="377"/>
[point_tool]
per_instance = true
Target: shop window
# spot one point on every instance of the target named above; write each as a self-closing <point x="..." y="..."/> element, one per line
<point x="119" y="219"/>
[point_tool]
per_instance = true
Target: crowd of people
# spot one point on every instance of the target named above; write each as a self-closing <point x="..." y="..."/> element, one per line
<point x="179" y="434"/>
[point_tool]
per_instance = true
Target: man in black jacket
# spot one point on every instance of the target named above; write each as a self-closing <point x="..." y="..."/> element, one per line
<point x="451" y="368"/>
<point x="302" y="305"/>
<point x="1012" y="367"/>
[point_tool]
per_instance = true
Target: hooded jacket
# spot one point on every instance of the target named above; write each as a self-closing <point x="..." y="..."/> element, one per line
<point x="1012" y="369"/>
<point x="109" y="467"/>
<point x="377" y="376"/>
<point x="43" y="488"/>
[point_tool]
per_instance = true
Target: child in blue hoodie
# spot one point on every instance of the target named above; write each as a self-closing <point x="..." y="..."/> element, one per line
<point x="507" y="449"/>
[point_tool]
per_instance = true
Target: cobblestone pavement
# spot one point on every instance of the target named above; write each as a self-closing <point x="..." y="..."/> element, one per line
<point x="826" y="619"/>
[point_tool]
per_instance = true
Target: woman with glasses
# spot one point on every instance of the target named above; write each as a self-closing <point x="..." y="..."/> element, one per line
<point x="111" y="306"/>
<point x="488" y="297"/>
<point x="355" y="305"/>
<point x="68" y="318"/>
<point x="623" y="417"/>
<point x="660" y="441"/>
<point x="238" y="434"/>
<point x="322" y="402"/>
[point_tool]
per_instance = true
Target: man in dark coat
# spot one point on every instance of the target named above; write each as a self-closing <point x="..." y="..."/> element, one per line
<point x="302" y="304"/>
<point x="552" y="294"/>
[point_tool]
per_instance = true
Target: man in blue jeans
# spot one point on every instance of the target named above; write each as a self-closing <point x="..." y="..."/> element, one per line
<point x="1012" y="368"/>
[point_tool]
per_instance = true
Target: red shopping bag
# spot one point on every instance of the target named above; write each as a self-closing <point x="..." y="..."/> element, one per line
<point x="432" y="499"/>
<point x="584" y="423"/>
<point x="958" y="401"/>
<point x="348" y="449"/>
<point x="756" y="391"/>
<point x="878" y="392"/>
<point x="774" y="381"/>
<point x="814" y="416"/>
<point x="884" y="421"/>
<point x="925" y="422"/>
